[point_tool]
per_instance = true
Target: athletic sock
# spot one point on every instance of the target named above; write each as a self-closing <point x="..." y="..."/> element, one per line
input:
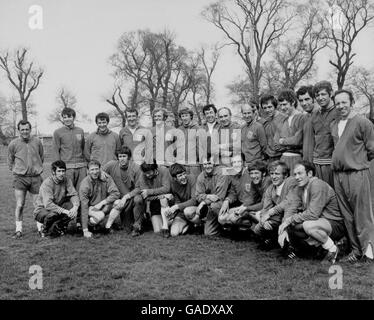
<point x="369" y="252"/>
<point x="329" y="245"/>
<point x="39" y="226"/>
<point x="19" y="226"/>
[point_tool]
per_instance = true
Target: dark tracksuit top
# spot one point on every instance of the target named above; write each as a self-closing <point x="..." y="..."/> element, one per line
<point x="254" y="142"/>
<point x="184" y="195"/>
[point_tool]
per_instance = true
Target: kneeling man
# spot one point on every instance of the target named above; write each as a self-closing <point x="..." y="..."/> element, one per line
<point x="57" y="202"/>
<point x="97" y="194"/>
<point x="319" y="220"/>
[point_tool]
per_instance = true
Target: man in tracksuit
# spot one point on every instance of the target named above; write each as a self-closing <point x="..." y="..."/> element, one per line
<point x="314" y="217"/>
<point x="125" y="173"/>
<point x="354" y="184"/>
<point x="104" y="144"/>
<point x="321" y="131"/>
<point x="68" y="145"/>
<point x="57" y="202"/>
<point x="97" y="194"/>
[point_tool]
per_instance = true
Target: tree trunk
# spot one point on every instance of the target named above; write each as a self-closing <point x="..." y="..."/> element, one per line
<point x="371" y="111"/>
<point x="3" y="138"/>
<point x="24" y="109"/>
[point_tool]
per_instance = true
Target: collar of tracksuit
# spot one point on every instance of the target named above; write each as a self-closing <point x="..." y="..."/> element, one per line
<point x="56" y="181"/>
<point x="103" y="133"/>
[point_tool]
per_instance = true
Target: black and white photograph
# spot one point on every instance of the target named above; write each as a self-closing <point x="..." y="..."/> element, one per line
<point x="186" y="155"/>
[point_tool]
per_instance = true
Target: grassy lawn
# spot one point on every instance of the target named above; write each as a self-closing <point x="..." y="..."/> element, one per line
<point x="150" y="267"/>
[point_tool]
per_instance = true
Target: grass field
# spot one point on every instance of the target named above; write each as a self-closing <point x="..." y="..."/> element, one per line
<point x="151" y="267"/>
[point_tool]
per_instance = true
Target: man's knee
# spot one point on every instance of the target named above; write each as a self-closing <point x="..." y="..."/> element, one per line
<point x="215" y="207"/>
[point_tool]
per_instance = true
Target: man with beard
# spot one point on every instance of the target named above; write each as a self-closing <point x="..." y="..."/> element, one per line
<point x="57" y="202"/>
<point x="68" y="145"/>
<point x="318" y="220"/>
<point x="272" y="118"/>
<point x="97" y="194"/>
<point x="353" y="137"/>
<point x="321" y="131"/>
<point x="253" y="137"/>
<point x="182" y="204"/>
<point x="245" y="193"/>
<point x="275" y="204"/>
<point x="305" y="95"/>
<point x="104" y="144"/>
<point x="125" y="173"/>
<point x="25" y="160"/>
<point x="211" y="189"/>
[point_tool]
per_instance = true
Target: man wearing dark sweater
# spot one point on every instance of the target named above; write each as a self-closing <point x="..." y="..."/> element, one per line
<point x="125" y="173"/>
<point x="354" y="184"/>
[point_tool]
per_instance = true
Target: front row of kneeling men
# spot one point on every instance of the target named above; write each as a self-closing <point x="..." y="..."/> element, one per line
<point x="292" y="211"/>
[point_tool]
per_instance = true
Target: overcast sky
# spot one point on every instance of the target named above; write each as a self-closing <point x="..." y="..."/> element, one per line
<point x="79" y="36"/>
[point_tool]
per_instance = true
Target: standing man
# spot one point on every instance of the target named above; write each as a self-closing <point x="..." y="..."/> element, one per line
<point x="25" y="160"/>
<point x="211" y="190"/>
<point x="305" y="95"/>
<point x="272" y="118"/>
<point x="57" y="203"/>
<point x="321" y="132"/>
<point x="210" y="139"/>
<point x="229" y="136"/>
<point x="104" y="144"/>
<point x="191" y="154"/>
<point x="132" y="134"/>
<point x="97" y="194"/>
<point x="354" y="185"/>
<point x="68" y="146"/>
<point x="253" y="137"/>
<point x="125" y="173"/>
<point x="289" y="134"/>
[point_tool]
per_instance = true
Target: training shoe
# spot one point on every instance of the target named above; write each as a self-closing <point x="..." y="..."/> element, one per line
<point x="289" y="251"/>
<point x="165" y="233"/>
<point x="108" y="231"/>
<point x="41" y="234"/>
<point x="351" y="258"/>
<point x="135" y="233"/>
<point x="331" y="256"/>
<point x="17" y="235"/>
<point x="267" y="245"/>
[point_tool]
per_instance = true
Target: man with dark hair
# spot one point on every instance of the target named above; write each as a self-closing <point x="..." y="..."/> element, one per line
<point x="245" y="193"/>
<point x="97" y="194"/>
<point x="305" y="95"/>
<point x="275" y="204"/>
<point x="57" y="202"/>
<point x="353" y="137"/>
<point x="189" y="142"/>
<point x="154" y="187"/>
<point x="25" y="160"/>
<point x="272" y="118"/>
<point x="104" y="144"/>
<point x="68" y="146"/>
<point x="321" y="132"/>
<point x="318" y="220"/>
<point x="253" y="137"/>
<point x="125" y="173"/>
<point x="182" y="202"/>
<point x="211" y="189"/>
<point x="289" y="134"/>
<point x="210" y="139"/>
<point x="229" y="136"/>
<point x="132" y="134"/>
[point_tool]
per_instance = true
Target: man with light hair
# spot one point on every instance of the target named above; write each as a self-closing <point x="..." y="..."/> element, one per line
<point x="97" y="194"/>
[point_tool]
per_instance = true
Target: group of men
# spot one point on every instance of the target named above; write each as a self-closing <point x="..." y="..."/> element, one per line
<point x="296" y="175"/>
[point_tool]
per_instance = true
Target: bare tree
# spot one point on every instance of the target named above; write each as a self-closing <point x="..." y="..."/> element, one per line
<point x="113" y="102"/>
<point x="251" y="26"/>
<point x="295" y="57"/>
<point x="3" y="118"/>
<point x="23" y="76"/>
<point x="362" y="81"/>
<point x="345" y="20"/>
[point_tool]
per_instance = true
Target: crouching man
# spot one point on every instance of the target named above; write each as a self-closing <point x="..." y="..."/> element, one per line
<point x="129" y="207"/>
<point x="57" y="202"/>
<point x="318" y="221"/>
<point x="154" y="187"/>
<point x="211" y="190"/>
<point x="97" y="194"/>
<point x="275" y="204"/>
<point x="182" y="204"/>
<point x="245" y="194"/>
